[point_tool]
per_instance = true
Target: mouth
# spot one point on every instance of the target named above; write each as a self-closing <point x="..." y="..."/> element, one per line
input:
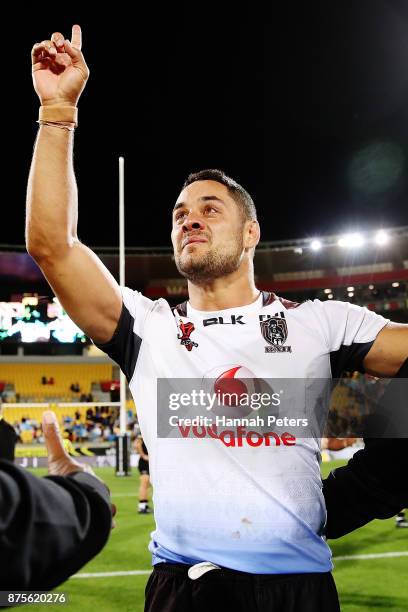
<point x="192" y="240"/>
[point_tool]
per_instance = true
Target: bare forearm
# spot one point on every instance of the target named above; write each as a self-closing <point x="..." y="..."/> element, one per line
<point x="52" y="198"/>
<point x="85" y="288"/>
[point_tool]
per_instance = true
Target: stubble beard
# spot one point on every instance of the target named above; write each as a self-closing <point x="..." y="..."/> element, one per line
<point x="212" y="265"/>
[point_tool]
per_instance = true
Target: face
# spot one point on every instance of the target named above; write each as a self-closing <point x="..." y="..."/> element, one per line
<point x="208" y="232"/>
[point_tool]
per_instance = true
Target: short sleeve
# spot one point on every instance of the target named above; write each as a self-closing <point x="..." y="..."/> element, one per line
<point x="350" y="331"/>
<point x="125" y="344"/>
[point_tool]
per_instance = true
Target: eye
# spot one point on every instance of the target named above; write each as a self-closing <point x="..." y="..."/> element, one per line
<point x="210" y="209"/>
<point x="179" y="216"/>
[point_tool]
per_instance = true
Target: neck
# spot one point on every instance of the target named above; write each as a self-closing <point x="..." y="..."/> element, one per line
<point x="236" y="289"/>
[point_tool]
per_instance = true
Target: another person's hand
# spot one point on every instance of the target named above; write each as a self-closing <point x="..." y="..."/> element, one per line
<point x="59" y="462"/>
<point x="59" y="69"/>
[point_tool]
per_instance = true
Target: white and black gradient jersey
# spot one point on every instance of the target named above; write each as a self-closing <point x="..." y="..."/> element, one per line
<point x="254" y="509"/>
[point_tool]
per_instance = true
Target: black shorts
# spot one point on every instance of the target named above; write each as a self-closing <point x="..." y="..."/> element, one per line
<point x="169" y="589"/>
<point x="143" y="466"/>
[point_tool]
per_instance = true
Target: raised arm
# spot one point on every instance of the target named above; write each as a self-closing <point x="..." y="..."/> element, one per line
<point x="85" y="288"/>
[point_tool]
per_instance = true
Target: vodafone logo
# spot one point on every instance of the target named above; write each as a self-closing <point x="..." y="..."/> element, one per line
<point x="232" y="384"/>
<point x="228" y="394"/>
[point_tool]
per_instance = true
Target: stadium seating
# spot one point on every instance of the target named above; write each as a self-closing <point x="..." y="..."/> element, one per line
<point x="27" y="379"/>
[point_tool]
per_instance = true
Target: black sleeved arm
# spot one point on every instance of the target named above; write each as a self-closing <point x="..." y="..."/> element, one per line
<point x="49" y="527"/>
<point x="373" y="484"/>
<point x="124" y="346"/>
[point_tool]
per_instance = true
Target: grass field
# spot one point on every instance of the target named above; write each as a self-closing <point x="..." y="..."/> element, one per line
<point x="370" y="584"/>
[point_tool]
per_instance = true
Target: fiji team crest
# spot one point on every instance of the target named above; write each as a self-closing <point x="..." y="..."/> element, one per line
<point x="275" y="331"/>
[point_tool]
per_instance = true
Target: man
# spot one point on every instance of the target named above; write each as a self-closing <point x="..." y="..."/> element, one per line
<point x="144" y="479"/>
<point x="50" y="527"/>
<point x="8" y="439"/>
<point x="401" y="521"/>
<point x="370" y="486"/>
<point x="236" y="527"/>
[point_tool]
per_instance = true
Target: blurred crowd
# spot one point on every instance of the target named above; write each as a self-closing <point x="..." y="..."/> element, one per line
<point x="101" y="424"/>
<point x="355" y="398"/>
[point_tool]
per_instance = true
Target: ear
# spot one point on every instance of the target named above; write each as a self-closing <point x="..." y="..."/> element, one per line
<point x="252" y="234"/>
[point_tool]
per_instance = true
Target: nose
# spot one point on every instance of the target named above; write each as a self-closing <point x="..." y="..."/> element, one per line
<point x="192" y="222"/>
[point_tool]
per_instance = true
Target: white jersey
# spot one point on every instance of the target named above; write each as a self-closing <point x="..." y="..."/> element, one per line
<point x="256" y="509"/>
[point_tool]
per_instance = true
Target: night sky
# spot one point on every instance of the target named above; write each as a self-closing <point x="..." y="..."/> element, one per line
<point x="306" y="105"/>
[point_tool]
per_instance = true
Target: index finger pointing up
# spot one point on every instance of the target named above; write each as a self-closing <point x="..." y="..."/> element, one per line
<point x="76" y="37"/>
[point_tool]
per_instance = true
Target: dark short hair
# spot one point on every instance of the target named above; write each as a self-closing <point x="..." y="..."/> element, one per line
<point x="236" y="191"/>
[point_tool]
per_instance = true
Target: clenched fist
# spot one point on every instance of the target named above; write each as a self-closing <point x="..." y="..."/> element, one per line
<point x="59" y="69"/>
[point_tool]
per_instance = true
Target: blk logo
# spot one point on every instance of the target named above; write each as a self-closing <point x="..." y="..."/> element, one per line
<point x="234" y="320"/>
